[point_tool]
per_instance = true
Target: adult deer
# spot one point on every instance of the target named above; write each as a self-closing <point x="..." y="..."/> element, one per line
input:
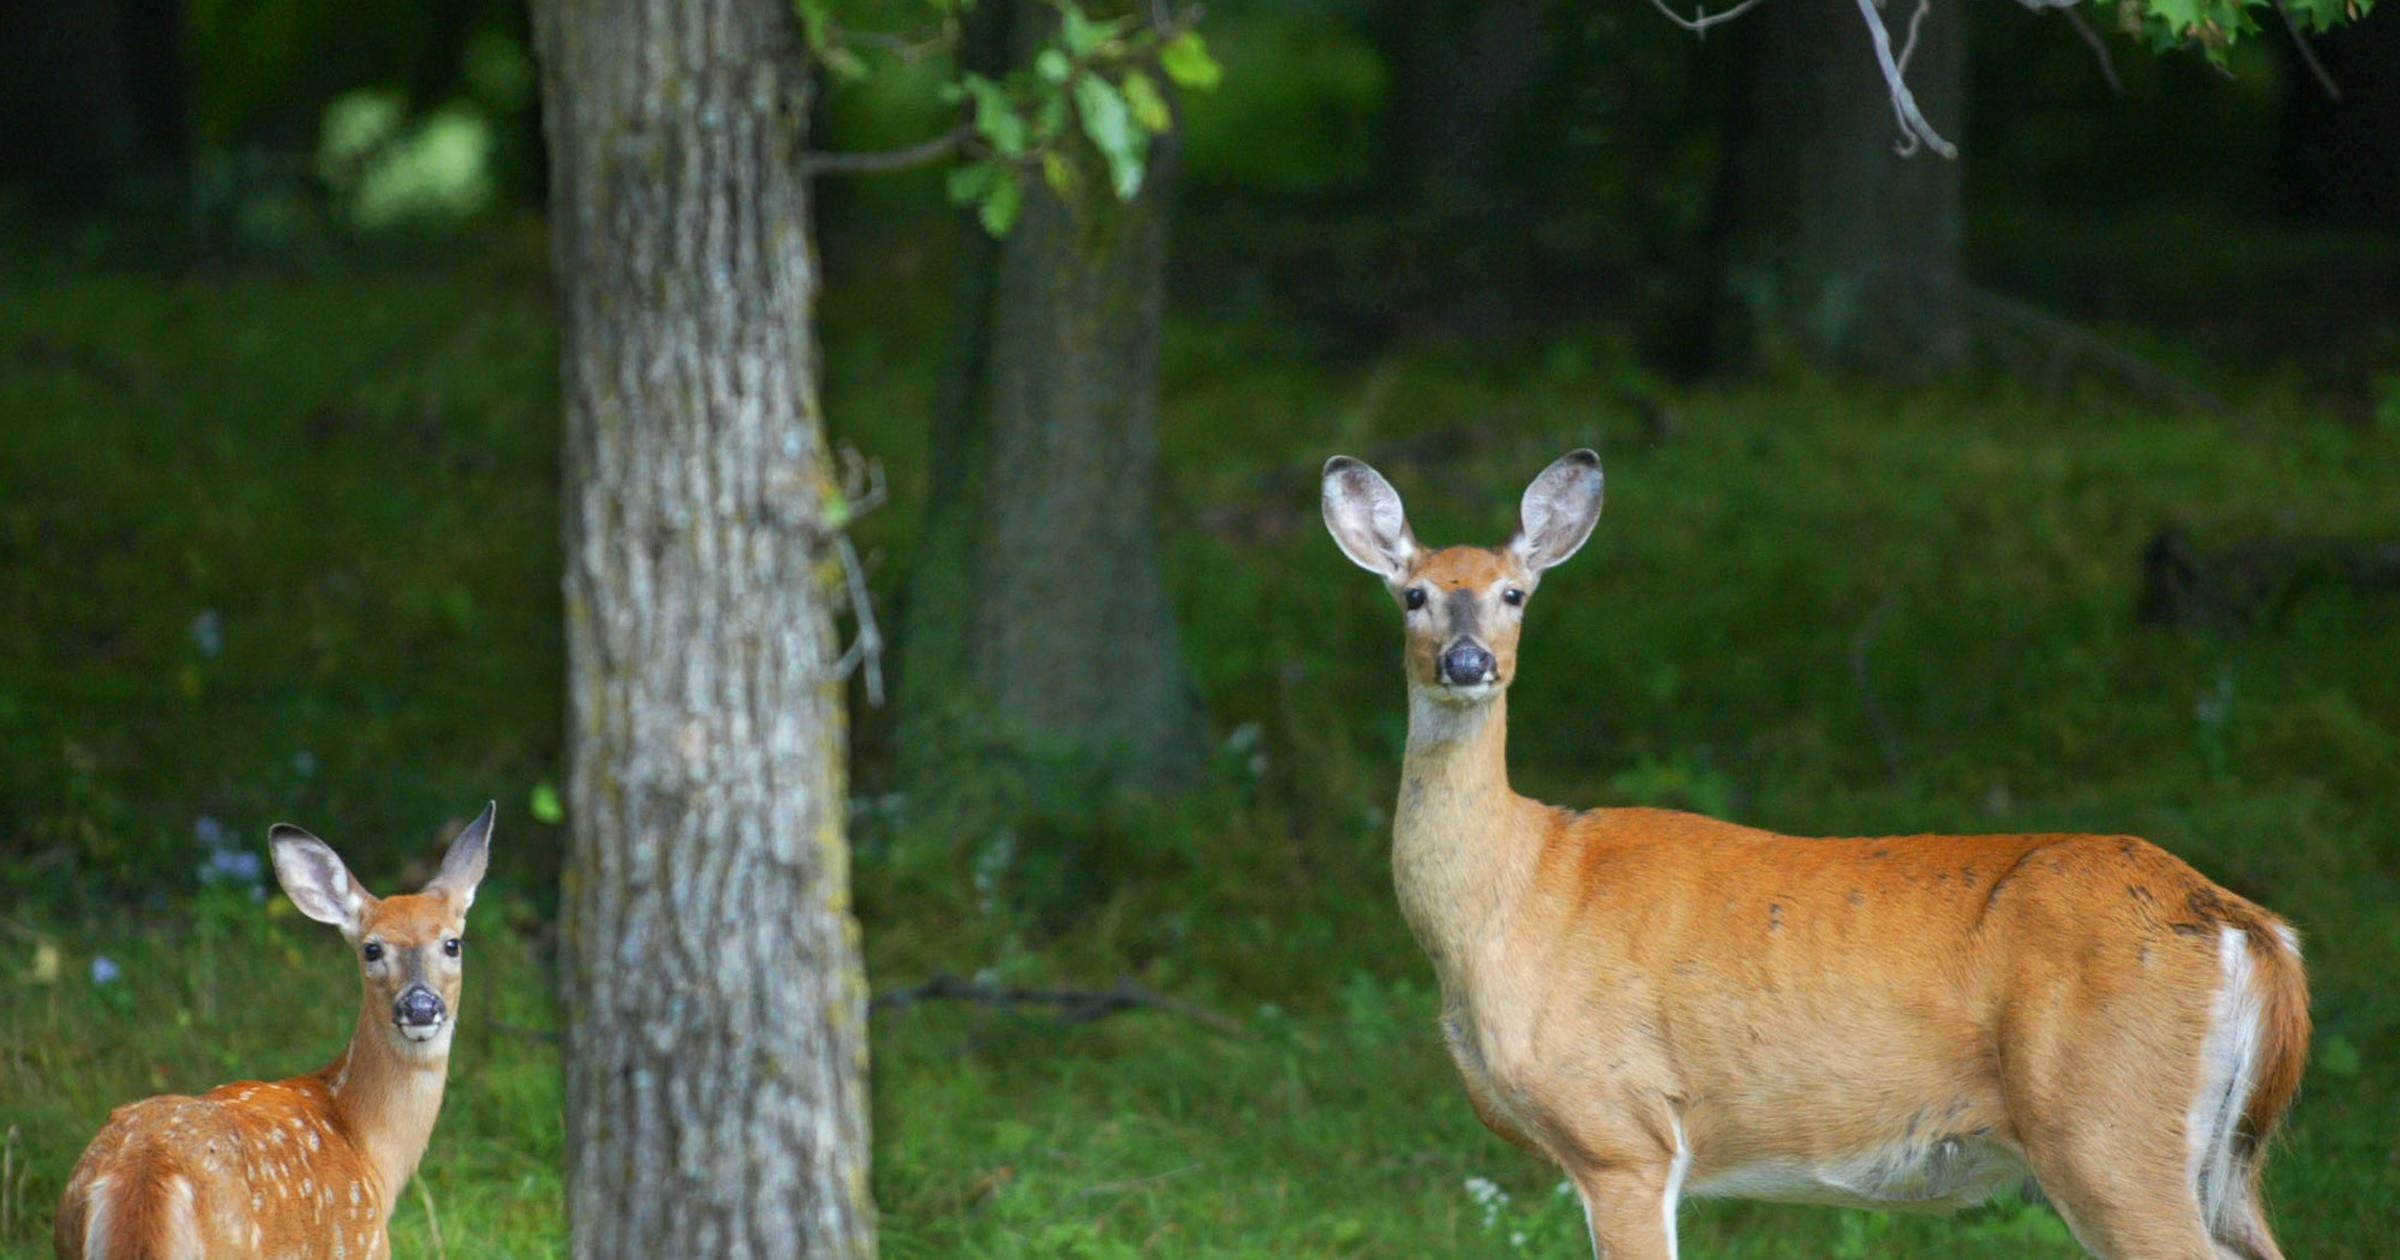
<point x="1665" y="1004"/>
<point x="307" y="1167"/>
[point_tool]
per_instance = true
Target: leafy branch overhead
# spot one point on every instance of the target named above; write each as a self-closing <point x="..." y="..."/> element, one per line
<point x="1092" y="80"/>
<point x="2212" y="26"/>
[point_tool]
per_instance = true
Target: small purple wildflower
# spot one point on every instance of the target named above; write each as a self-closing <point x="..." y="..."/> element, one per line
<point x="231" y="866"/>
<point x="208" y="632"/>
<point x="105" y="969"/>
<point x="214" y="836"/>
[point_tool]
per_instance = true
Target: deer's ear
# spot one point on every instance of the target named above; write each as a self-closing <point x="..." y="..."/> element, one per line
<point x="1558" y="511"/>
<point x="316" y="880"/>
<point x="463" y="865"/>
<point x="1363" y="514"/>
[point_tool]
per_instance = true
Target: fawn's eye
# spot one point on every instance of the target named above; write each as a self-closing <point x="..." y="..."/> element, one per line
<point x="450" y="947"/>
<point x="1414" y="597"/>
<point x="1515" y="597"/>
<point x="373" y="951"/>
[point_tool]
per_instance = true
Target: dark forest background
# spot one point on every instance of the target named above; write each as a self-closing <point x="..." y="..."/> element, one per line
<point x="2057" y="487"/>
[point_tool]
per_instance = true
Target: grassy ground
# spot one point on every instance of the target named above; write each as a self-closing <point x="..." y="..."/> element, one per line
<point x="1813" y="609"/>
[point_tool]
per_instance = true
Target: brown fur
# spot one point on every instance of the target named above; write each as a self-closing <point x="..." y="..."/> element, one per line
<point x="1655" y="999"/>
<point x="307" y="1167"/>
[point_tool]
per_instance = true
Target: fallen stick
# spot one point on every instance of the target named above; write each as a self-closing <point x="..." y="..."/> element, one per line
<point x="1076" y="1004"/>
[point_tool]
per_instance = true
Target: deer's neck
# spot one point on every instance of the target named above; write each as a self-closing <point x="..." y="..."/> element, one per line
<point x="386" y="1099"/>
<point x="1462" y="841"/>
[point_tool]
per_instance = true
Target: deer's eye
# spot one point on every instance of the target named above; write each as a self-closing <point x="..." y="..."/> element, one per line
<point x="1414" y="597"/>
<point x="450" y="947"/>
<point x="373" y="951"/>
<point x="1515" y="597"/>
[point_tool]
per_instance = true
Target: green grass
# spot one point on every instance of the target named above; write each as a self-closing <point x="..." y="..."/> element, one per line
<point x="1813" y="608"/>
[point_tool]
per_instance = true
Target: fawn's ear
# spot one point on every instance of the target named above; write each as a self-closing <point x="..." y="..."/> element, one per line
<point x="1558" y="511"/>
<point x="463" y="865"/>
<point x="314" y="876"/>
<point x="1363" y="514"/>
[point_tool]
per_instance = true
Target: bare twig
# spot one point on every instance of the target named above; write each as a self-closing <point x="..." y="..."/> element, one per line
<point x="1078" y="1004"/>
<point x="867" y="649"/>
<point x="1914" y="130"/>
<point x="2099" y="47"/>
<point x="879" y="161"/>
<point x="2068" y="337"/>
<point x="1700" y="20"/>
<point x="2308" y="55"/>
<point x="861" y="480"/>
<point x="1129" y="1183"/>
<point x="1908" y="47"/>
<point x="863" y="490"/>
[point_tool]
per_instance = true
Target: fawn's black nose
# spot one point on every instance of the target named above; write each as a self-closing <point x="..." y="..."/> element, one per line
<point x="417" y="1008"/>
<point x="1466" y="664"/>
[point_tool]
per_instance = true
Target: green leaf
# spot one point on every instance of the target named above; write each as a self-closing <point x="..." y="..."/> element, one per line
<point x="1059" y="173"/>
<point x="1149" y="108"/>
<point x="999" y="212"/>
<point x="1084" y="36"/>
<point x="970" y="183"/>
<point x="1053" y="66"/>
<point x="996" y="116"/>
<point x="841" y="62"/>
<point x="1185" y="59"/>
<point x="1049" y="119"/>
<point x="816" y="21"/>
<point x="545" y="805"/>
<point x="1110" y="125"/>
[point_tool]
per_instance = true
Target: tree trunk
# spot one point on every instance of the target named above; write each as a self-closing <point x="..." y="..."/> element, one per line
<point x="1039" y="629"/>
<point x="1835" y="246"/>
<point x="716" y="1041"/>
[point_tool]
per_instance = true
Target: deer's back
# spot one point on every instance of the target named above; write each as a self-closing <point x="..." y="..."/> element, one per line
<point x="1795" y="1001"/>
<point x="248" y="1169"/>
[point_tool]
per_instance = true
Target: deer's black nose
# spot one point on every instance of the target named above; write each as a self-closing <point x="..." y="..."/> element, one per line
<point x="418" y="1006"/>
<point x="1465" y="664"/>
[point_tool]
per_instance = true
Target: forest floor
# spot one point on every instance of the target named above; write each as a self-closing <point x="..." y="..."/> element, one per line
<point x="283" y="546"/>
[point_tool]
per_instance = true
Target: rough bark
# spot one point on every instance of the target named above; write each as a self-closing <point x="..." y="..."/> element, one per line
<point x="1039" y="627"/>
<point x="716" y="1041"/>
<point x="1833" y="244"/>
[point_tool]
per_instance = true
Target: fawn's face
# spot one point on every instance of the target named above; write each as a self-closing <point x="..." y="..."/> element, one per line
<point x="1462" y="607"/>
<point x="410" y="948"/>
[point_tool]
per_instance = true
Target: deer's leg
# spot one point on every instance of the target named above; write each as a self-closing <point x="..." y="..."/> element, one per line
<point x="2125" y="1189"/>
<point x="1631" y="1209"/>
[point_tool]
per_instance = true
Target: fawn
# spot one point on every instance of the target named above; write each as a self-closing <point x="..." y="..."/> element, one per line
<point x="1665" y="1004"/>
<point x="310" y="1166"/>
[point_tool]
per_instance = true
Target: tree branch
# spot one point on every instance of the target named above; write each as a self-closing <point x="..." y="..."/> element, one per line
<point x="1908" y="47"/>
<point x="1914" y="130"/>
<point x="2099" y="47"/>
<point x="2307" y="54"/>
<point x="867" y="648"/>
<point x="1080" y="1004"/>
<point x="882" y="160"/>
<point x="2071" y="339"/>
<point x="1701" y="19"/>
